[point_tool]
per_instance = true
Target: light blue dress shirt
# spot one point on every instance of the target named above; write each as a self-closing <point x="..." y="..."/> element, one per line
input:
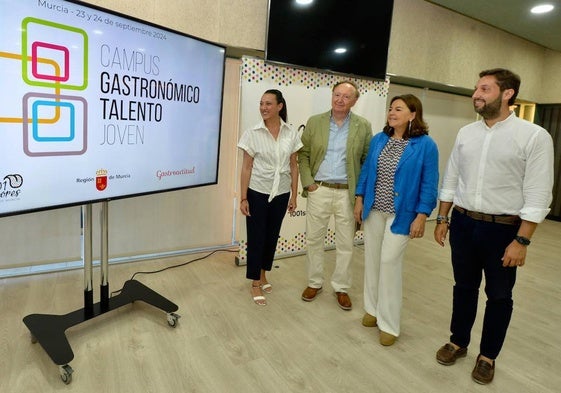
<point x="333" y="169"/>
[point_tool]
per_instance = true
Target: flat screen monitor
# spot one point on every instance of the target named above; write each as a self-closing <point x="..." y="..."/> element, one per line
<point x="96" y="105"/>
<point x="349" y="37"/>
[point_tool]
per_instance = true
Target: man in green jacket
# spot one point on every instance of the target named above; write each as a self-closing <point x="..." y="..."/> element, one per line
<point x="335" y="146"/>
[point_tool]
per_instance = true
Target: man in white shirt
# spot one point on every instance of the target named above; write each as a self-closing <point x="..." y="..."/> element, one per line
<point x="499" y="178"/>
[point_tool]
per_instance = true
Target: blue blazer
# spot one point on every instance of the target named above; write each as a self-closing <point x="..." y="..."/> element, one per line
<point x="415" y="181"/>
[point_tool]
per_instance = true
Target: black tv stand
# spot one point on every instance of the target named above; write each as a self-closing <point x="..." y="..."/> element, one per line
<point x="49" y="330"/>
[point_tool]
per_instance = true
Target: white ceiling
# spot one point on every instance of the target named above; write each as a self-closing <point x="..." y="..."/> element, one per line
<point x="514" y="17"/>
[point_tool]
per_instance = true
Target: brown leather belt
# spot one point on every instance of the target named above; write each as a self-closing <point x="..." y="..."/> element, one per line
<point x="339" y="186"/>
<point x="496" y="218"/>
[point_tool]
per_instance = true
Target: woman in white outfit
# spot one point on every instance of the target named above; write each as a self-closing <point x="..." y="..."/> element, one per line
<point x="396" y="192"/>
<point x="268" y="186"/>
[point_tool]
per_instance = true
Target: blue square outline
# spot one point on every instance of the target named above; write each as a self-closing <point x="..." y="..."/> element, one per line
<point x="35" y="124"/>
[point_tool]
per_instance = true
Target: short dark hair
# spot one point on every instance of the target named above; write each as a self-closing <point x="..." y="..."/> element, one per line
<point x="357" y="92"/>
<point x="418" y="125"/>
<point x="506" y="79"/>
<point x="280" y="100"/>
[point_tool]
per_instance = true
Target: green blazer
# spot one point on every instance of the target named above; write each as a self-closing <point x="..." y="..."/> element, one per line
<point x="315" y="138"/>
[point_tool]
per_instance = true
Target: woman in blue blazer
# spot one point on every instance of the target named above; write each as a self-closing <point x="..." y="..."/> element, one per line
<point x="396" y="192"/>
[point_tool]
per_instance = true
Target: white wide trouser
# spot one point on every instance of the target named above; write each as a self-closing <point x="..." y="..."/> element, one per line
<point x="322" y="204"/>
<point x="383" y="265"/>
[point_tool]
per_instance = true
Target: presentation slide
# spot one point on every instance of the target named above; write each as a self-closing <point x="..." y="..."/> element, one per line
<point x="96" y="106"/>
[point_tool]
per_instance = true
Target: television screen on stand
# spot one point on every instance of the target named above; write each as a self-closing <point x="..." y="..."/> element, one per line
<point x="97" y="105"/>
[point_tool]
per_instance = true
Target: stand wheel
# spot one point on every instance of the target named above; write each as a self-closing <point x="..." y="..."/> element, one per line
<point x="66" y="374"/>
<point x="33" y="338"/>
<point x="173" y="319"/>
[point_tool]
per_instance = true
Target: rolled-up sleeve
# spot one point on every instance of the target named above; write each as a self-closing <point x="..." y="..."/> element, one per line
<point x="538" y="179"/>
<point x="450" y="178"/>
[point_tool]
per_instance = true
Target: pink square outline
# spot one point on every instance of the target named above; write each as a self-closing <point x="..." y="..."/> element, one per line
<point x="65" y="74"/>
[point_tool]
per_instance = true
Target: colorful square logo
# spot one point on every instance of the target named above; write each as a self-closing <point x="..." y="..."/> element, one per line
<point x="53" y="56"/>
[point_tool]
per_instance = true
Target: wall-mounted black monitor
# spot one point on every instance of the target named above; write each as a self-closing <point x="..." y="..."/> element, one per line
<point x="350" y="36"/>
<point x="96" y="105"/>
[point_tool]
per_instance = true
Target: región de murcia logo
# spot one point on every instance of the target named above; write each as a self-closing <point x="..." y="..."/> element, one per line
<point x="101" y="179"/>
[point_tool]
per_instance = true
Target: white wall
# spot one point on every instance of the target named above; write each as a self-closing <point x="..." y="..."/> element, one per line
<point x="434" y="44"/>
<point x="239" y="23"/>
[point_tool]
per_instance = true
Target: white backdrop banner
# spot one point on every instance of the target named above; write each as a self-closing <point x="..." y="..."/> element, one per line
<point x="306" y="93"/>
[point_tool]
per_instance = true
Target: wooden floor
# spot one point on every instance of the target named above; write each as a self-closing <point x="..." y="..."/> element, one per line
<point x="225" y="343"/>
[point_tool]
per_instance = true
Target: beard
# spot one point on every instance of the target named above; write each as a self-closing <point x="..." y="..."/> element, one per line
<point x="489" y="110"/>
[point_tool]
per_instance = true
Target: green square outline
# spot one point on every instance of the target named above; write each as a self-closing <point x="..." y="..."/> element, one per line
<point x="25" y="57"/>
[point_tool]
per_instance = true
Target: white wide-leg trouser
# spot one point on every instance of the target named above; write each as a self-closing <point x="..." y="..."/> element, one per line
<point x="383" y="265"/>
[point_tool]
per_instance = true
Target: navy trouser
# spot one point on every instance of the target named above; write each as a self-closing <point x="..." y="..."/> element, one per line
<point x="477" y="247"/>
<point x="263" y="228"/>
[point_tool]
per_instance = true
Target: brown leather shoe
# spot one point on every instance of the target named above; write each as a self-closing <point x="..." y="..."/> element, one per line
<point x="447" y="355"/>
<point x="344" y="300"/>
<point x="483" y="372"/>
<point x="310" y="294"/>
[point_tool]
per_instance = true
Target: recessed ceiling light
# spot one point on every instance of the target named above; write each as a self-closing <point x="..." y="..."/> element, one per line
<point x="340" y="50"/>
<point x="541" y="9"/>
<point x="304" y="2"/>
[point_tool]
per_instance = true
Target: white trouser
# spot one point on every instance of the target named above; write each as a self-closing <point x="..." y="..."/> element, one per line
<point x="383" y="265"/>
<point x="322" y="204"/>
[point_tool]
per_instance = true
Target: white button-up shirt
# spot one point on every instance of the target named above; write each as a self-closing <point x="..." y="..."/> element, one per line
<point x="504" y="169"/>
<point x="271" y="158"/>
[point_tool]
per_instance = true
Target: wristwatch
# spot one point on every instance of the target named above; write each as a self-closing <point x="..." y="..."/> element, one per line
<point x="442" y="219"/>
<point x="522" y="240"/>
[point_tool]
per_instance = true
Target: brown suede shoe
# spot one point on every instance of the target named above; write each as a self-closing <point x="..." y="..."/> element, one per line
<point x="483" y="372"/>
<point x="344" y="300"/>
<point x="447" y="355"/>
<point x="387" y="339"/>
<point x="310" y="294"/>
<point x="369" y="320"/>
